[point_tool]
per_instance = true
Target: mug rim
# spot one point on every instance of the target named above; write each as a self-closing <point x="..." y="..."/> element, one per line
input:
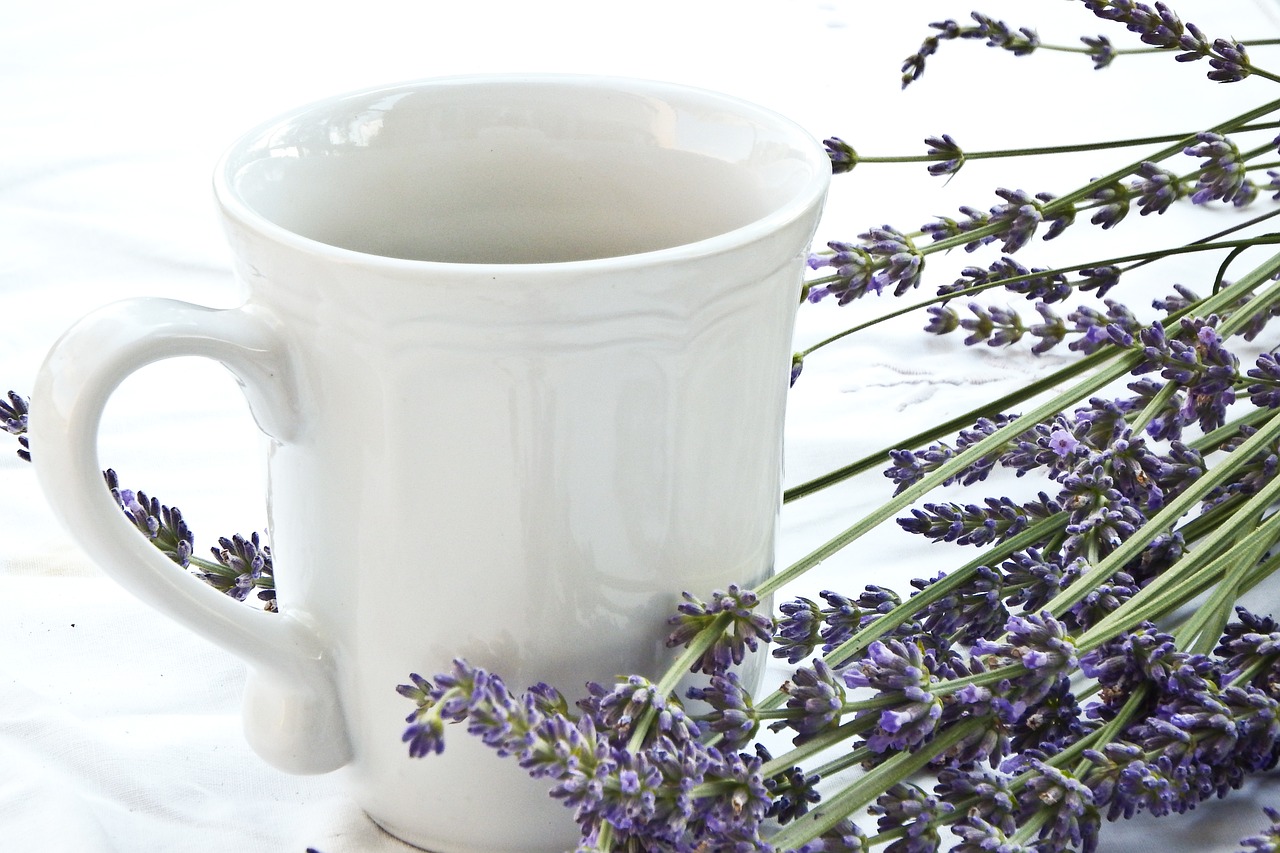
<point x="811" y="193"/>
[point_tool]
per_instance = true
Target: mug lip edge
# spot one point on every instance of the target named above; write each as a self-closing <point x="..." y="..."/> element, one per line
<point x="812" y="193"/>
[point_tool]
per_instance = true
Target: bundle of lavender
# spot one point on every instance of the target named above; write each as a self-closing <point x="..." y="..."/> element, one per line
<point x="1056" y="678"/>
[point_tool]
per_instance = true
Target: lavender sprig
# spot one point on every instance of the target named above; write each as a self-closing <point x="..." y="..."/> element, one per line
<point x="14" y="416"/>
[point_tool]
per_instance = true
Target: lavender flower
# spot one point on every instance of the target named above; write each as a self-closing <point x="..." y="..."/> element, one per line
<point x="1041" y="644"/>
<point x="975" y="611"/>
<point x="163" y="525"/>
<point x="843" y="157"/>
<point x="1074" y="821"/>
<point x="1112" y="205"/>
<point x="1222" y="175"/>
<point x="985" y="794"/>
<point x="842" y="617"/>
<point x="899" y="671"/>
<point x="946" y="148"/>
<point x="909" y="466"/>
<point x="797" y="634"/>
<point x="907" y="807"/>
<point x="944" y="227"/>
<point x="968" y="524"/>
<point x="1097" y="329"/>
<point x="943" y="320"/>
<point x="854" y="268"/>
<point x="648" y="795"/>
<point x="241" y="565"/>
<point x="899" y="262"/>
<point x="1205" y="368"/>
<point x="1051" y="723"/>
<point x="1230" y="62"/>
<point x="617" y="709"/>
<point x="732" y="716"/>
<point x="792" y="791"/>
<point x="1099" y="279"/>
<point x="1019" y="217"/>
<point x="1050" y="333"/>
<point x="1156" y="189"/>
<point x="996" y="326"/>
<point x="1101" y="51"/>
<point x="1268" y="841"/>
<point x="1037" y="578"/>
<point x="745" y="630"/>
<point x="1034" y="283"/>
<point x="845" y="837"/>
<point x="817" y="699"/>
<point x="14" y="418"/>
<point x="1264" y="392"/>
<point x="978" y="836"/>
<point x="1252" y="646"/>
<point x="995" y="33"/>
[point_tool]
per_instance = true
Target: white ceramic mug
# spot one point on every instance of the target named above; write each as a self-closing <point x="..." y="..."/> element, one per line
<point x="522" y="348"/>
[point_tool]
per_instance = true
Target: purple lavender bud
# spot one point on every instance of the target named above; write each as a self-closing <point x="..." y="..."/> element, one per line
<point x="1100" y="279"/>
<point x="1041" y="644"/>
<point x="943" y="320"/>
<point x="1264" y="392"/>
<point x="842" y="618"/>
<point x="843" y="157"/>
<point x="972" y="612"/>
<point x="792" y="791"/>
<point x="1268" y="841"/>
<point x="978" y="836"/>
<point x="797" y="633"/>
<point x="244" y="562"/>
<point x="1222" y="175"/>
<point x="1037" y="578"/>
<point x="942" y="228"/>
<point x="733" y="716"/>
<point x="797" y="365"/>
<point x="845" y="837"/>
<point x="1020" y="215"/>
<point x="1051" y="287"/>
<point x="979" y="327"/>
<point x="1230" y="62"/>
<point x="1156" y="190"/>
<point x="14" y="417"/>
<point x="901" y="672"/>
<point x="1273" y="183"/>
<point x="973" y="220"/>
<point x="1050" y="333"/>
<point x="163" y="525"/>
<point x="817" y="700"/>
<point x="906" y="807"/>
<point x="1101" y="51"/>
<point x="1113" y="205"/>
<point x="745" y="632"/>
<point x="1074" y="821"/>
<point x="899" y="262"/>
<point x="949" y="153"/>
<point x="1060" y="220"/>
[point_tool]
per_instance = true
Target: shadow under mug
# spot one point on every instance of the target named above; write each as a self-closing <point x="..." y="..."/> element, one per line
<point x="522" y="347"/>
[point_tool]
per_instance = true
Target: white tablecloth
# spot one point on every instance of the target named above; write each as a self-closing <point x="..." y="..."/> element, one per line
<point x="119" y="731"/>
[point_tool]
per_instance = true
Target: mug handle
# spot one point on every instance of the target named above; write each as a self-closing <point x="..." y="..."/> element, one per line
<point x="293" y="717"/>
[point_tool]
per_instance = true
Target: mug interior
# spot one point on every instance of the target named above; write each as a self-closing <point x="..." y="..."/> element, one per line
<point x="492" y="171"/>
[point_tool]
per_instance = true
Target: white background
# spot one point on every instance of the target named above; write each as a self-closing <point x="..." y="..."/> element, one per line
<point x="120" y="732"/>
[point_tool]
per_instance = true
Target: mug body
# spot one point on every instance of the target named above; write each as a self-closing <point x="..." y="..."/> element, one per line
<point x="541" y="335"/>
